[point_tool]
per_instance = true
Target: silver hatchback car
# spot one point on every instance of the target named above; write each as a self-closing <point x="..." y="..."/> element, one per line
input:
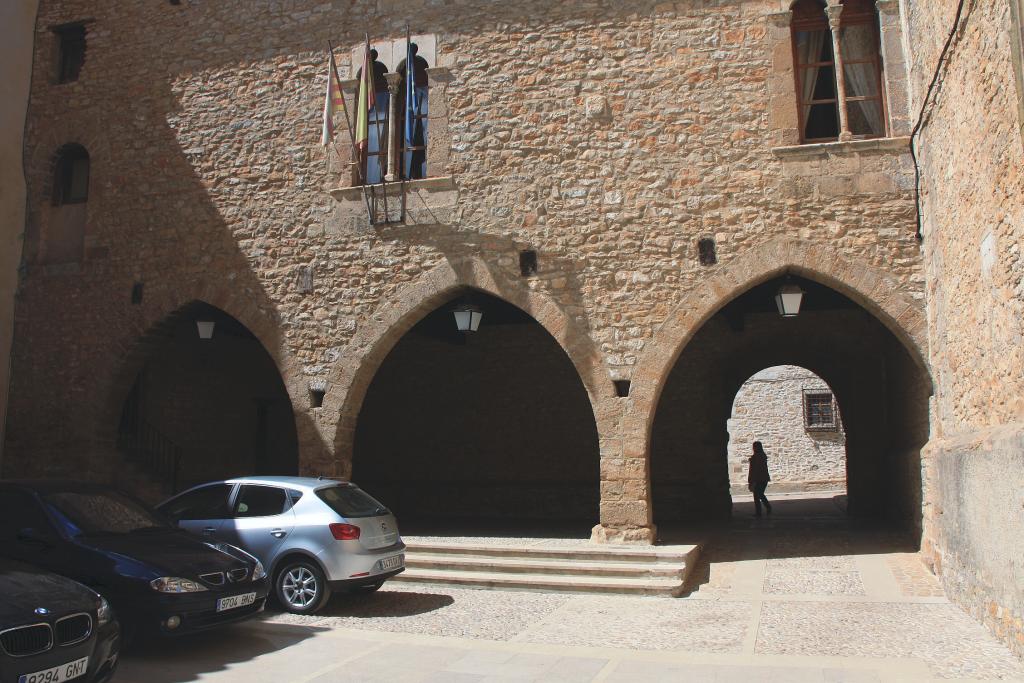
<point x="314" y="536"/>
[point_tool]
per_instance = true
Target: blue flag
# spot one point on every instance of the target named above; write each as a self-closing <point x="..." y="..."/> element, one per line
<point x="411" y="106"/>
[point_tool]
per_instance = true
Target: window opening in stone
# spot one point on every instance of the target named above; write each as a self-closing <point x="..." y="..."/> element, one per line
<point x="137" y="293"/>
<point x="70" y="51"/>
<point x="813" y="58"/>
<point x="819" y="411"/>
<point x="706" y="252"/>
<point x="414" y="116"/>
<point x="316" y="397"/>
<point x="528" y="262"/>
<point x="621" y="387"/>
<point x="71" y="176"/>
<point x="838" y="106"/>
<point x="374" y="159"/>
<point x="862" y="69"/>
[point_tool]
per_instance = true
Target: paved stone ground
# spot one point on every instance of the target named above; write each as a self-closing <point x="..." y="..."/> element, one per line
<point x="804" y="596"/>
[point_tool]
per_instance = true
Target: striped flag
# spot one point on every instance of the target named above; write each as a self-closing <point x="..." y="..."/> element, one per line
<point x="332" y="102"/>
<point x="366" y="98"/>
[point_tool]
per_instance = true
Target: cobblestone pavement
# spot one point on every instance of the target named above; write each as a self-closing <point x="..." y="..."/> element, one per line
<point x="804" y="596"/>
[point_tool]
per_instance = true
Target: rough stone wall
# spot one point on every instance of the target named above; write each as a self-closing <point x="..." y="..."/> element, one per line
<point x="607" y="136"/>
<point x="17" y="19"/>
<point x="972" y="218"/>
<point x="769" y="408"/>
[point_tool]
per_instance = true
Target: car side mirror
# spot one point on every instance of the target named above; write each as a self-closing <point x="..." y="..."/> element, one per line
<point x="31" y="536"/>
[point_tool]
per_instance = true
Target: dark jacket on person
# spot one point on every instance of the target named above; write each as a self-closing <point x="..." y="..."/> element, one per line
<point x="758" y="472"/>
<point x="380" y="70"/>
<point x="419" y="71"/>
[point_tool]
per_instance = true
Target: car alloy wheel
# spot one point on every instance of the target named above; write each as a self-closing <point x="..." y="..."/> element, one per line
<point x="302" y="588"/>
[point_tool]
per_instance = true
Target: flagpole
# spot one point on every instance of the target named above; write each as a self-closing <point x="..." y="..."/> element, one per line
<point x="405" y="103"/>
<point x="376" y="122"/>
<point x="351" y="135"/>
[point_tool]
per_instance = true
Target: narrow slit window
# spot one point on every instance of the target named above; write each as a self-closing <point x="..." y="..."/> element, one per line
<point x="71" y="176"/>
<point x="70" y="51"/>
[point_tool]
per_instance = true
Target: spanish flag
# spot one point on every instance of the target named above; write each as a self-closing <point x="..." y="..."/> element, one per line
<point x="332" y="101"/>
<point x="365" y="100"/>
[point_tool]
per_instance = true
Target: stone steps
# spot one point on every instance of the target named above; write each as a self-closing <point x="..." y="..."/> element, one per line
<point x="660" y="570"/>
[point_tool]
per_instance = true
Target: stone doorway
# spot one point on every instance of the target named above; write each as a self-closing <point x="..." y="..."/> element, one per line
<point x="489" y="432"/>
<point x="881" y="392"/>
<point x="204" y="408"/>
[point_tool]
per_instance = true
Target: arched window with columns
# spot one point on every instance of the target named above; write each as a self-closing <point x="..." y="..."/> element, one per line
<point x="838" y="68"/>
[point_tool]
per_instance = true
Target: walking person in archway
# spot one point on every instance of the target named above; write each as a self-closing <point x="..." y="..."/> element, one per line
<point x="758" y="478"/>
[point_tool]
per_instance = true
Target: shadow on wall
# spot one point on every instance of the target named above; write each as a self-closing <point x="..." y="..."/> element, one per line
<point x="177" y="242"/>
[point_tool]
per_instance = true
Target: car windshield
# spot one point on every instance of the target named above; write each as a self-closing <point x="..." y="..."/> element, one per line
<point x="351" y="501"/>
<point x="88" y="513"/>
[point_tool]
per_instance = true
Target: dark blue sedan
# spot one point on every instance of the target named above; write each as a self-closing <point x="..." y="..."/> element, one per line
<point x="157" y="577"/>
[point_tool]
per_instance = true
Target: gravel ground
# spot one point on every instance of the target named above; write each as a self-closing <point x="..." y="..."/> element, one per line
<point x="954" y="645"/>
<point x="767" y="590"/>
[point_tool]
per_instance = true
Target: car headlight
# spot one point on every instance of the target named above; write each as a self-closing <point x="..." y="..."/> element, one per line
<point x="174" y="584"/>
<point x="104" y="614"/>
<point x="258" y="572"/>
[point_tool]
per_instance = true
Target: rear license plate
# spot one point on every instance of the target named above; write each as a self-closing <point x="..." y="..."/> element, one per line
<point x="235" y="601"/>
<point x="392" y="562"/>
<point x="64" y="672"/>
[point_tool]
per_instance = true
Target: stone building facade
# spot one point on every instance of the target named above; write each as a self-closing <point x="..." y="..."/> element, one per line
<point x="966" y="78"/>
<point x="607" y="139"/>
<point x="807" y="451"/>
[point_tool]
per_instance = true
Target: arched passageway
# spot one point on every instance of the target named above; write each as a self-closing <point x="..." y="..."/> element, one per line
<point x="880" y="390"/>
<point x="207" y="403"/>
<point x="488" y="428"/>
<point x="795" y="415"/>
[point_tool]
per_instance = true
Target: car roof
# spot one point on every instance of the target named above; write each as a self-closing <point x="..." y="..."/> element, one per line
<point x="303" y="483"/>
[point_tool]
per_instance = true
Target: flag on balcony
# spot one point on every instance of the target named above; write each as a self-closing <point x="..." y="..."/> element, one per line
<point x="365" y="100"/>
<point x="332" y="101"/>
<point x="410" y="93"/>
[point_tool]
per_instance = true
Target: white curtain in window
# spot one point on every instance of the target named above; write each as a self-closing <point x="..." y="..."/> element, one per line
<point x="808" y="46"/>
<point x="861" y="81"/>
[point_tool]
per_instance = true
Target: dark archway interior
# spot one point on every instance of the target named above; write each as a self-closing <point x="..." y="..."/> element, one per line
<point x="881" y="391"/>
<point x="216" y="405"/>
<point x="493" y="427"/>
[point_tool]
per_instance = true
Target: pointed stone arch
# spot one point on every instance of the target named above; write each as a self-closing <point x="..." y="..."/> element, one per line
<point x="362" y="357"/>
<point x="162" y="310"/>
<point x="876" y="291"/>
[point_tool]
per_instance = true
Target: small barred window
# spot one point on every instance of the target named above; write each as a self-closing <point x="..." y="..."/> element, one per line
<point x="819" y="411"/>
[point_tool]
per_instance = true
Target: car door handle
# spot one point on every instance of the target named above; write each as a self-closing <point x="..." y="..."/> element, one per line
<point x="278" y="533"/>
<point x="210" y="530"/>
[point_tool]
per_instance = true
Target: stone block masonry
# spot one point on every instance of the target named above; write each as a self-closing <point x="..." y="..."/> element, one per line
<point x="608" y="138"/>
<point x="971" y="155"/>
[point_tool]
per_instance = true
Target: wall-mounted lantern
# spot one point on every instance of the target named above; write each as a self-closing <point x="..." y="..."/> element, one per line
<point x="468" y="317"/>
<point x="205" y="328"/>
<point x="788" y="299"/>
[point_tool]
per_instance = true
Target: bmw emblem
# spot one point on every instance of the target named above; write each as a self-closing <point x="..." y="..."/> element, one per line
<point x="42" y="611"/>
